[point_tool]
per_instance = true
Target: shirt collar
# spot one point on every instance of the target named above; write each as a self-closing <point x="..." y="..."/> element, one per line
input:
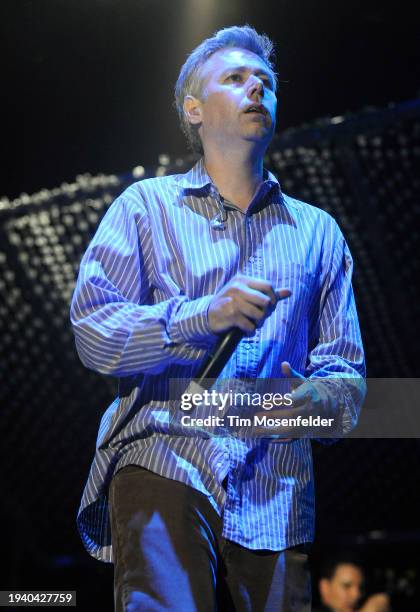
<point x="197" y="178"/>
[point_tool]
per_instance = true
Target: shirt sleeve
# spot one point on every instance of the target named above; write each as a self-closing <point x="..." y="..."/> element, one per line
<point x="336" y="360"/>
<point x="118" y="329"/>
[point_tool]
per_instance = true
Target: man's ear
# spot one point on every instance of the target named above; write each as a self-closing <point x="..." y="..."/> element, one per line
<point x="192" y="109"/>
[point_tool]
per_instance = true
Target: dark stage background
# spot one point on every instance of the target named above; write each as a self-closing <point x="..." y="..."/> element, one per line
<point x="89" y="90"/>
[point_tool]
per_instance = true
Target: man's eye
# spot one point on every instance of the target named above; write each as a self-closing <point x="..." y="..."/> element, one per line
<point x="235" y="77"/>
<point x="267" y="82"/>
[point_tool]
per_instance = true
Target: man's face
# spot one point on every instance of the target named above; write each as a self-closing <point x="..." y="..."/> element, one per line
<point x="233" y="81"/>
<point x="343" y="591"/>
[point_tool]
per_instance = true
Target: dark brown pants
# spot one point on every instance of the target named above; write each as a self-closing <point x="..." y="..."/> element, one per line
<point x="169" y="555"/>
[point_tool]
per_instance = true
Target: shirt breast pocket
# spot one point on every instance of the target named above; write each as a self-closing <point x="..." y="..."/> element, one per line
<point x="293" y="312"/>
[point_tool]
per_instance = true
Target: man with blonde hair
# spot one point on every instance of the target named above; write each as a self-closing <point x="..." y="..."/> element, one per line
<point x="205" y="523"/>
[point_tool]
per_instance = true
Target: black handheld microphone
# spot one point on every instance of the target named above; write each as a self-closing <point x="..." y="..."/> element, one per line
<point x="215" y="361"/>
<point x="219" y="355"/>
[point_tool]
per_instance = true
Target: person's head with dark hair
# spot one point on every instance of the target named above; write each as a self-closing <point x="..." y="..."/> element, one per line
<point x="341" y="582"/>
<point x="228" y="49"/>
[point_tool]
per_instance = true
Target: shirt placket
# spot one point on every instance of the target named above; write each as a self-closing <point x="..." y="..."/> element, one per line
<point x="225" y="459"/>
<point x="248" y="350"/>
<point x="247" y="359"/>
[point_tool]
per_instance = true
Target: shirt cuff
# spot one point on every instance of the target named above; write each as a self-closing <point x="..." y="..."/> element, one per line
<point x="342" y="399"/>
<point x="190" y="323"/>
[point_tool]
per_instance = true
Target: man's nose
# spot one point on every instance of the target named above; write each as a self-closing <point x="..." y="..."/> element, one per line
<point x="255" y="86"/>
<point x="356" y="594"/>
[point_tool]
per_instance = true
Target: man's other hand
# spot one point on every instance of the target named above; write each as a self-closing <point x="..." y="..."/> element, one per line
<point x="380" y="602"/>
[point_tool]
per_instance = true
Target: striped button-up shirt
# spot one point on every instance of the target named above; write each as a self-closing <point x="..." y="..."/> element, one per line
<point x="139" y="313"/>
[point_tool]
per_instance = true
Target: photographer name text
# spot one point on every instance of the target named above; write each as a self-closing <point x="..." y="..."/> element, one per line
<point x="255" y="421"/>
